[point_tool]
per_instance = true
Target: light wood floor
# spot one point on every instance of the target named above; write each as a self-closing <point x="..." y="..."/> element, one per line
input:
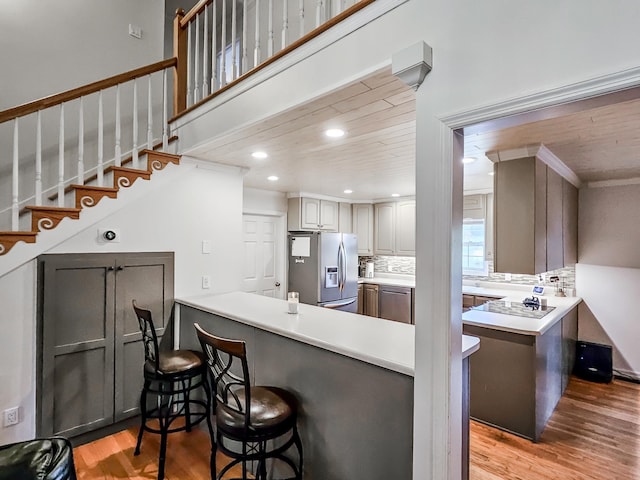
<point x="594" y="434"/>
<point x="112" y="457"/>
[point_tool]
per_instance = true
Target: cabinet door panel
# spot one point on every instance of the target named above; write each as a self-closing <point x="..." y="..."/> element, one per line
<point x="363" y="227"/>
<point x="406" y="228"/>
<point x="146" y="279"/>
<point x="384" y="228"/>
<point x="83" y="394"/>
<point x="310" y="208"/>
<point x="555" y="253"/>
<point x="328" y="215"/>
<point x="76" y="375"/>
<point x="570" y="223"/>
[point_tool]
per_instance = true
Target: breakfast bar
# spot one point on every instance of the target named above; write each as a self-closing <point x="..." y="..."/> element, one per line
<point x="352" y="374"/>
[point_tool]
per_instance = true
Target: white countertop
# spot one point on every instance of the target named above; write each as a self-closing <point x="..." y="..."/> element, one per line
<point x="376" y="341"/>
<point x="506" y="291"/>
<point x="523" y="325"/>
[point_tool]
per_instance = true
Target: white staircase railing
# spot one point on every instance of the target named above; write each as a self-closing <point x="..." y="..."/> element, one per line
<point x="220" y="41"/>
<point x="64" y="139"/>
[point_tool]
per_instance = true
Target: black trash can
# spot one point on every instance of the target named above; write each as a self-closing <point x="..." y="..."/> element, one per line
<point x="593" y="362"/>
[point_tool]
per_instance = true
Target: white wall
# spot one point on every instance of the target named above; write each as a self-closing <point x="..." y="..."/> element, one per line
<point x="609" y="313"/>
<point x="17" y="351"/>
<point x="200" y="203"/>
<point x="264" y="201"/>
<point x="608" y="275"/>
<point x="203" y="204"/>
<point x="50" y="47"/>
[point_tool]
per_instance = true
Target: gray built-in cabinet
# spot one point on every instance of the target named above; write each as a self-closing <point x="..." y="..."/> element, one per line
<point x="90" y="354"/>
<point x="536" y="212"/>
<point x="517" y="379"/>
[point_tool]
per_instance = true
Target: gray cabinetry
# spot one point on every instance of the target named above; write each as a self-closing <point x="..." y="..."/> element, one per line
<point x="569" y="339"/>
<point x="535" y="220"/>
<point x="518" y="379"/>
<point x="370" y="302"/>
<point x="91" y="355"/>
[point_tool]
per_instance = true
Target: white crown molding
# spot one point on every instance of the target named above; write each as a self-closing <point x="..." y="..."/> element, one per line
<point x="322" y="41"/>
<point x="600" y="85"/>
<point x="548" y="157"/>
<point x="543" y="154"/>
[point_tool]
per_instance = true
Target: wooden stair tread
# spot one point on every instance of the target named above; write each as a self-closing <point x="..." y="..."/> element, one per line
<point x="94" y="188"/>
<point x="170" y="156"/>
<point x="127" y="160"/>
<point x="53" y="209"/>
<point x="126" y="169"/>
<point x="24" y="233"/>
<point x="9" y="239"/>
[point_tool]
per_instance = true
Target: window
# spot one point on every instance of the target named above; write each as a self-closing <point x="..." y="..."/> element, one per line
<point x="473" y="248"/>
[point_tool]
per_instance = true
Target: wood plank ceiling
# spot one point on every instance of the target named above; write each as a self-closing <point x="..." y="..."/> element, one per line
<point x="376" y="157"/>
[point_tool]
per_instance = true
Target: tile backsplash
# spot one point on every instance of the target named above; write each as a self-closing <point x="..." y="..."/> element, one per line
<point x="407" y="266"/>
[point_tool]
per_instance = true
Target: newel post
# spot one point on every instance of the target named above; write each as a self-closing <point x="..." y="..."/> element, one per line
<point x="180" y="70"/>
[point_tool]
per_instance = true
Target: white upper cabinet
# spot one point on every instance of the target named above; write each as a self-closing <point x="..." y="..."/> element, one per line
<point x="395" y="228"/>
<point x="362" y="215"/>
<point x="406" y="228"/>
<point x="384" y="237"/>
<point x="344" y="218"/>
<point x="312" y="214"/>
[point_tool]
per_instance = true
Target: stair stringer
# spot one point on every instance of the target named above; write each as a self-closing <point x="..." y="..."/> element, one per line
<point x="22" y="252"/>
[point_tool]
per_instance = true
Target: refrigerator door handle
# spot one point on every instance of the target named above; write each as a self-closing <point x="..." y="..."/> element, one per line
<point x="342" y="265"/>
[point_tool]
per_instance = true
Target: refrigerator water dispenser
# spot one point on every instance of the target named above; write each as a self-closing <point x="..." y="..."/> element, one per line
<point x="331" y="277"/>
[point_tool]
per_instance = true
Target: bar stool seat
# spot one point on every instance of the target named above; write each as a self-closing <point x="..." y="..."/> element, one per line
<point x="253" y="423"/>
<point x="171" y="378"/>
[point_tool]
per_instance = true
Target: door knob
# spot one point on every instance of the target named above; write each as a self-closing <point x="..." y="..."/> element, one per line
<point x="277" y="284"/>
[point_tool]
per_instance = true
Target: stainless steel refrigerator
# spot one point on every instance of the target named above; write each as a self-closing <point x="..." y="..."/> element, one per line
<point x="323" y="267"/>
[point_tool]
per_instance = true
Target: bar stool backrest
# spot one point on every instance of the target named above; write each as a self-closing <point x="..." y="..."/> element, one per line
<point x="227" y="363"/>
<point x="149" y="337"/>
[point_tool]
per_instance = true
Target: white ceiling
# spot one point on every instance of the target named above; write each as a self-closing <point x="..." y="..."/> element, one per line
<point x="376" y="157"/>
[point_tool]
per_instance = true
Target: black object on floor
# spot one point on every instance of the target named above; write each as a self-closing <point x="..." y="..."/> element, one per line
<point x="594" y="362"/>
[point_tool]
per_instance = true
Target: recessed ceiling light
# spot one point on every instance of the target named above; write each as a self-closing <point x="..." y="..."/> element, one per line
<point x="348" y="191"/>
<point x="259" y="155"/>
<point x="334" y="133"/>
<point x="468" y="160"/>
<point x="272" y="178"/>
<point x="395" y="194"/>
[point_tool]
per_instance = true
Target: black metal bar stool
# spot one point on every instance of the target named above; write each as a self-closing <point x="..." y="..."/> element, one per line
<point x="170" y="378"/>
<point x="253" y="424"/>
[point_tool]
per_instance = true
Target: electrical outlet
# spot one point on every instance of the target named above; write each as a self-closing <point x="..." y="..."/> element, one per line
<point x="541" y="277"/>
<point x="11" y="416"/>
<point x="206" y="281"/>
<point x="507" y="277"/>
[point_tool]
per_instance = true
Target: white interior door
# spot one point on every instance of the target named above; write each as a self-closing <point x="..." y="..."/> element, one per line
<point x="263" y="238"/>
